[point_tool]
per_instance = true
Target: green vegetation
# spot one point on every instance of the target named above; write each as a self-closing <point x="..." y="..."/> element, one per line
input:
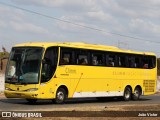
<point x="4" y="54"/>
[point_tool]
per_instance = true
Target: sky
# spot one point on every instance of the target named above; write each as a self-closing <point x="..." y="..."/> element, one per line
<point x="127" y="24"/>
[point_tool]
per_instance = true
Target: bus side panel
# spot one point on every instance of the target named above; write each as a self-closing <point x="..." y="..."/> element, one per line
<point x="95" y="81"/>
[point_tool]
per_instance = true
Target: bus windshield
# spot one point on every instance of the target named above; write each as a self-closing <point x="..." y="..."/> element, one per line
<point x="24" y="65"/>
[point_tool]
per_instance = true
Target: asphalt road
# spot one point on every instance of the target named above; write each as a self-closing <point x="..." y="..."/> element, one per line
<point x="71" y="104"/>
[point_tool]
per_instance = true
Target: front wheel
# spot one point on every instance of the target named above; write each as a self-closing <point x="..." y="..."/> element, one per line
<point x="127" y="94"/>
<point x="60" y="96"/>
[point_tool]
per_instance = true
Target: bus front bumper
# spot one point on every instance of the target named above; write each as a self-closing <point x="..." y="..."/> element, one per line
<point x="21" y="94"/>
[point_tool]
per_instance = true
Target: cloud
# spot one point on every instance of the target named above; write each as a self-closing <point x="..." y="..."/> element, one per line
<point x="8" y="14"/>
<point x="99" y="15"/>
<point x="39" y="2"/>
<point x="136" y="8"/>
<point x="2" y="24"/>
<point x="145" y="27"/>
<point x="69" y="26"/>
<point x="28" y="27"/>
<point x="69" y="5"/>
<point x="17" y="20"/>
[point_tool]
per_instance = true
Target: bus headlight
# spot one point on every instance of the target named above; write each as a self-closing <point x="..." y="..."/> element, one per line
<point x="32" y="89"/>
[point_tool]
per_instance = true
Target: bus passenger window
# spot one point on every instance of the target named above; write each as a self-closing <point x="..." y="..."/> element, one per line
<point x="121" y="61"/>
<point x="97" y="59"/>
<point x="65" y="59"/>
<point x="145" y="66"/>
<point x="130" y="62"/>
<point x="82" y="60"/>
<point x="137" y="62"/>
<point x="148" y="62"/>
<point x="94" y="60"/>
<point x="145" y="62"/>
<point x="111" y="61"/>
<point x="151" y="63"/>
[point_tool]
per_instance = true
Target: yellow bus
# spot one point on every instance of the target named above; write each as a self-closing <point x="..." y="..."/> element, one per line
<point x="59" y="71"/>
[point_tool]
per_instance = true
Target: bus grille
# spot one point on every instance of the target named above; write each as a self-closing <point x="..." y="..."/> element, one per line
<point x="149" y="85"/>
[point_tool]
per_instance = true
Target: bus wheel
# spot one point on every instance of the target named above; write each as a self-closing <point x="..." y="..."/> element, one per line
<point x="127" y="94"/>
<point x="32" y="100"/>
<point x="136" y="94"/>
<point x="60" y="96"/>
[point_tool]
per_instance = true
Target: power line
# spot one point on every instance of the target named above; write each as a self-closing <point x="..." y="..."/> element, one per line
<point x="80" y="25"/>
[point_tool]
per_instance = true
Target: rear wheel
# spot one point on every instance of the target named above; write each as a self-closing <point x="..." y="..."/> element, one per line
<point x="60" y="96"/>
<point x="136" y="94"/>
<point x="127" y="94"/>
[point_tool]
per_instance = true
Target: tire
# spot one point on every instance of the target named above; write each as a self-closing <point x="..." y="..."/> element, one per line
<point x="60" y="96"/>
<point x="32" y="101"/>
<point x="127" y="94"/>
<point x="136" y="94"/>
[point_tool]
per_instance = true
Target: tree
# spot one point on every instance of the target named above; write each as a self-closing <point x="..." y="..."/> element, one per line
<point x="3" y="49"/>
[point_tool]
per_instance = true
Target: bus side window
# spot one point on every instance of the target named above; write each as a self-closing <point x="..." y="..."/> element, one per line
<point x="148" y="62"/>
<point x="97" y="58"/>
<point x="130" y="62"/>
<point x="82" y="57"/>
<point x="152" y="62"/>
<point x="111" y="61"/>
<point x="145" y="61"/>
<point x="137" y="62"/>
<point x="94" y="60"/>
<point x="65" y="60"/>
<point x="82" y="60"/>
<point x="66" y="56"/>
<point x="49" y="63"/>
<point x="121" y="61"/>
<point x="145" y="66"/>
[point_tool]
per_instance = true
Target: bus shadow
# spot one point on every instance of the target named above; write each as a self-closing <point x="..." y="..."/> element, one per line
<point x="95" y="100"/>
<point x="70" y="101"/>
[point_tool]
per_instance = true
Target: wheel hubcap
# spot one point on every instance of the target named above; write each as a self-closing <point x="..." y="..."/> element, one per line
<point x="136" y="93"/>
<point x="127" y="94"/>
<point x="60" y="96"/>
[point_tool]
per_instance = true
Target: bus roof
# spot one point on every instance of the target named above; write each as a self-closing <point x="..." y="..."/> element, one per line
<point x="81" y="45"/>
